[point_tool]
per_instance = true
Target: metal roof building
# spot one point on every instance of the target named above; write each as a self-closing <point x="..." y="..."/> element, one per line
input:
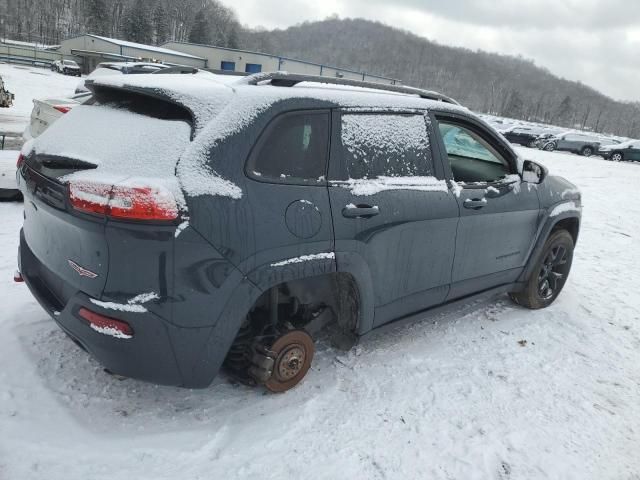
<point x="93" y="49"/>
<point x="245" y="61"/>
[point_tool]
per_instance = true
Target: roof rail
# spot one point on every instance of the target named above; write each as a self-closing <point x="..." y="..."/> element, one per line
<point x="284" y="79"/>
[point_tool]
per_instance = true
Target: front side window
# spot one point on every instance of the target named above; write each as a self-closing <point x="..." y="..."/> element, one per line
<point x="471" y="157"/>
<point x="385" y="145"/>
<point x="293" y="149"/>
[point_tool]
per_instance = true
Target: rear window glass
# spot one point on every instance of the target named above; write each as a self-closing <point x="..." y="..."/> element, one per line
<point x="292" y="149"/>
<point x="116" y="140"/>
<point x="385" y="145"/>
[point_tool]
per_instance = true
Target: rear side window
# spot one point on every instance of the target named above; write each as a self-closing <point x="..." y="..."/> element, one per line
<point x="293" y="149"/>
<point x="385" y="145"/>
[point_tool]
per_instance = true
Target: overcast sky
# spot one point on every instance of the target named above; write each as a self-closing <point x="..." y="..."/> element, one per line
<point x="594" y="41"/>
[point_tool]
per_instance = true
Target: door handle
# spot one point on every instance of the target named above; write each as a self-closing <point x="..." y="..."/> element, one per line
<point x="360" y="211"/>
<point x="475" y="203"/>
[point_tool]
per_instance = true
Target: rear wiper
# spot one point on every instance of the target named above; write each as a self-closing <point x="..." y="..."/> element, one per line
<point x="64" y="163"/>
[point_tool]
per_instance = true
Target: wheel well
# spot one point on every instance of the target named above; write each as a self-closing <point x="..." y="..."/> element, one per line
<point x="571" y="225"/>
<point x="312" y="303"/>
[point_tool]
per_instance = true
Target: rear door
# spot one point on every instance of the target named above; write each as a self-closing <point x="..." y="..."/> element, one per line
<point x="392" y="208"/>
<point x="634" y="152"/>
<point x="498" y="214"/>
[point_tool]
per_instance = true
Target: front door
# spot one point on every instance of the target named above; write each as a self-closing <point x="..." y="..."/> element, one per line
<point x="392" y="208"/>
<point x="498" y="213"/>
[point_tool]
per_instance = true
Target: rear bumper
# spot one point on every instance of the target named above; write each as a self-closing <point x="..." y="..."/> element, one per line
<point x="149" y="355"/>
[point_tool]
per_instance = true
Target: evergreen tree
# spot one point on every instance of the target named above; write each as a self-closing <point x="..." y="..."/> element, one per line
<point x="160" y="24"/>
<point x="232" y="39"/>
<point x="96" y="16"/>
<point x="137" y="25"/>
<point x="200" y="30"/>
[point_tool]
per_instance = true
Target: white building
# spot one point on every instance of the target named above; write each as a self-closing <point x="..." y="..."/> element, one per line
<point x="93" y="49"/>
<point x="228" y="59"/>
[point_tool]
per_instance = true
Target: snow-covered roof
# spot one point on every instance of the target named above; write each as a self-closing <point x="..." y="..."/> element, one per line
<point x="204" y="94"/>
<point x="140" y="46"/>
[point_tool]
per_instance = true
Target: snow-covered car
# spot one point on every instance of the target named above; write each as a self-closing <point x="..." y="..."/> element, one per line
<point x="579" y="143"/>
<point x="66" y="67"/>
<point x="48" y="110"/>
<point x="625" y="151"/>
<point x="8" y="186"/>
<point x="525" y="136"/>
<point x="120" y="68"/>
<point x="209" y="225"/>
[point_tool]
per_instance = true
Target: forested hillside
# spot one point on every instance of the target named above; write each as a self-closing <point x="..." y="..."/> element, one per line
<point x="145" y="21"/>
<point x="485" y="82"/>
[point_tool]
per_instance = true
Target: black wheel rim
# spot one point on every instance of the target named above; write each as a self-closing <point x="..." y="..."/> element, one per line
<point x="553" y="272"/>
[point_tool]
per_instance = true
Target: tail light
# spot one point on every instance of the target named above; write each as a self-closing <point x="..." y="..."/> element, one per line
<point x="106" y="325"/>
<point x="20" y="161"/>
<point x="134" y="202"/>
<point x="62" y="108"/>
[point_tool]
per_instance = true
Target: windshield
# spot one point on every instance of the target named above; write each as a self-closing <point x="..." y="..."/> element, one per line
<point x="70" y="63"/>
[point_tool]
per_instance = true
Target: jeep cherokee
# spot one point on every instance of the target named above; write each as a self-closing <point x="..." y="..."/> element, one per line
<point x="178" y="223"/>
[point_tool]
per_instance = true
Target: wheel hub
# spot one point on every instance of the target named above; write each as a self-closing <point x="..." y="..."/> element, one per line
<point x="290" y="362"/>
<point x="292" y="353"/>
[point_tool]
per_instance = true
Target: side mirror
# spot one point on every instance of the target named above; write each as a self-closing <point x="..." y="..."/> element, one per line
<point x="630" y="146"/>
<point x="533" y="172"/>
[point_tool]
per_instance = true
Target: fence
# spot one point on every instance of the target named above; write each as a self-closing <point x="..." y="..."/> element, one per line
<point x="29" y="55"/>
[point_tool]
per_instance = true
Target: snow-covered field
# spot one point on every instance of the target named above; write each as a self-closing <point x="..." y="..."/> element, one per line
<point x="483" y="391"/>
<point x="28" y="83"/>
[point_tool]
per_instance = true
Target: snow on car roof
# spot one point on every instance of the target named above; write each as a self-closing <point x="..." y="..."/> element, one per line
<point x="203" y="94"/>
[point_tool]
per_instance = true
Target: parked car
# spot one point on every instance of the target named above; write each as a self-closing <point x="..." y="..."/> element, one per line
<point x="252" y="217"/>
<point x="6" y="97"/>
<point x="581" y="144"/>
<point x="625" y="151"/>
<point x="120" y="68"/>
<point x="66" y="67"/>
<point x="525" y="136"/>
<point x="48" y="110"/>
<point x="8" y="186"/>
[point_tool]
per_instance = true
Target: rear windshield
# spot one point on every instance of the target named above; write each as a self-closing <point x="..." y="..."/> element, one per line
<point x="119" y="141"/>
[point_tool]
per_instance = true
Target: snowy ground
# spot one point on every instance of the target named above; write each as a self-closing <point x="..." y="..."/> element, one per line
<point x="485" y="391"/>
<point x="28" y="83"/>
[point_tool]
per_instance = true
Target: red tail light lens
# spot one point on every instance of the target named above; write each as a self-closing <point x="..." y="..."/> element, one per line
<point x="125" y="202"/>
<point x="20" y="161"/>
<point x="62" y="108"/>
<point x="106" y="325"/>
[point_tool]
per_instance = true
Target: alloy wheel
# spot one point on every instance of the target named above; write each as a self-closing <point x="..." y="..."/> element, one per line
<point x="553" y="272"/>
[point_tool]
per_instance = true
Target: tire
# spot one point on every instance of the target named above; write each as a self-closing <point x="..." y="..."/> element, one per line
<point x="617" y="157"/>
<point x="586" y="152"/>
<point x="549" y="147"/>
<point x="550" y="273"/>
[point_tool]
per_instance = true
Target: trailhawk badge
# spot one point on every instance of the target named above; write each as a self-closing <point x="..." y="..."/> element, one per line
<point x="83" y="272"/>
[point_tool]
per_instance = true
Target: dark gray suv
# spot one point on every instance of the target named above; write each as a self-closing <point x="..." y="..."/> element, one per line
<point x="183" y="223"/>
